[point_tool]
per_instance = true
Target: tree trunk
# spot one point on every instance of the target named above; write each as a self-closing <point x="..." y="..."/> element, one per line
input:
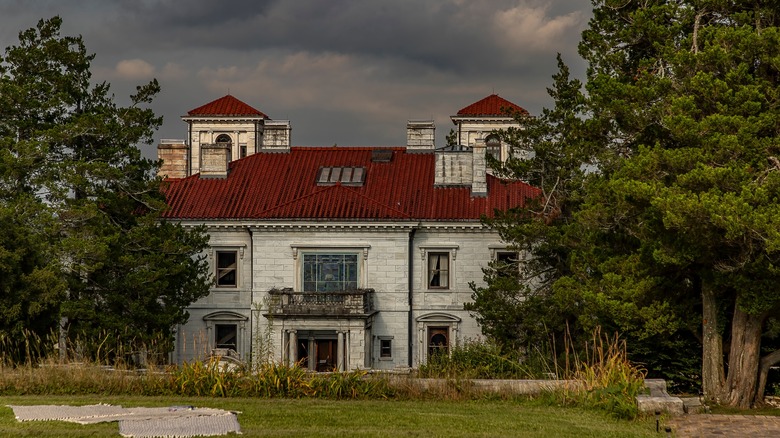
<point x="744" y="356"/>
<point x="713" y="382"/>
<point x="766" y="362"/>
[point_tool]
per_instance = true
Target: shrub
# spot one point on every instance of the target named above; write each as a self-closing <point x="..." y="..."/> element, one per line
<point x="475" y="360"/>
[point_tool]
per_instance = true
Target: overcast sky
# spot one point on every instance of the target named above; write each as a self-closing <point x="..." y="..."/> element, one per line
<point x="343" y="72"/>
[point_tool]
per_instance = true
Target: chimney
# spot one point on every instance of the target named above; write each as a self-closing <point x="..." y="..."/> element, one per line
<point x="420" y="135"/>
<point x="276" y="136"/>
<point x="479" y="169"/>
<point x="214" y="159"/>
<point x="173" y="154"/>
<point x="462" y="166"/>
<point x="453" y="166"/>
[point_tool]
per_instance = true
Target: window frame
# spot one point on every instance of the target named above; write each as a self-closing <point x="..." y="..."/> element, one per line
<point x="234" y="329"/>
<point x="359" y="248"/>
<point x="341" y="271"/>
<point x="384" y="348"/>
<point x="508" y="271"/>
<point x="451" y="250"/>
<point x="438" y="271"/>
<point x="442" y="348"/>
<point x="219" y="269"/>
<point x="493" y="146"/>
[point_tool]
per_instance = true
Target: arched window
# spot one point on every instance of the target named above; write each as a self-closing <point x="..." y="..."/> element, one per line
<point x="493" y="144"/>
<point x="224" y="138"/>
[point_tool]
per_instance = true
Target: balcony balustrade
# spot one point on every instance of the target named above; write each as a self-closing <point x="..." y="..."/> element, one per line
<point x="285" y="302"/>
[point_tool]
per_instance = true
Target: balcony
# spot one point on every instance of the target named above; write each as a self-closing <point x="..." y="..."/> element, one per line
<point x="285" y="302"/>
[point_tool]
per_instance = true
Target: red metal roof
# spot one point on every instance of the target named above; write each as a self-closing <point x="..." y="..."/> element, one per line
<point x="282" y="186"/>
<point x="226" y="106"/>
<point x="492" y="105"/>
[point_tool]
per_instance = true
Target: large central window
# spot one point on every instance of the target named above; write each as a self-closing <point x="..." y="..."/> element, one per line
<point x="330" y="272"/>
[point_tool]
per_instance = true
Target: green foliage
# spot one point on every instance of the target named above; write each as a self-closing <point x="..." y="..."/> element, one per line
<point x="660" y="181"/>
<point x="475" y="360"/>
<point x="80" y="235"/>
<point x="374" y="418"/>
<point x="216" y="379"/>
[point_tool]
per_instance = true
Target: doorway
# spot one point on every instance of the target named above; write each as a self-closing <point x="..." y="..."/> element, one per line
<point x="327" y="352"/>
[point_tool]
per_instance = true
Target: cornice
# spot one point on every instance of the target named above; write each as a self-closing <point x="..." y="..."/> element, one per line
<point x="301" y="226"/>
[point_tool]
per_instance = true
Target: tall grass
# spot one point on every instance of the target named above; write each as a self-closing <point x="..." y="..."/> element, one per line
<point x="476" y="360"/>
<point x="602" y="377"/>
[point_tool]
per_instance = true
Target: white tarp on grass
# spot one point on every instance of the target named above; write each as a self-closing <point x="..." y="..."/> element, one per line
<point x="172" y="422"/>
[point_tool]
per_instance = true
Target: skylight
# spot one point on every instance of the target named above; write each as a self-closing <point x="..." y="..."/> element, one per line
<point x="348" y="176"/>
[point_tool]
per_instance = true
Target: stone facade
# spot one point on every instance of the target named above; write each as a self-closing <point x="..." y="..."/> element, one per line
<point x="406" y="279"/>
<point x="270" y="258"/>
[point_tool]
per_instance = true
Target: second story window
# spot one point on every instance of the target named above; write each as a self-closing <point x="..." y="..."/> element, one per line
<point x="330" y="272"/>
<point x="227" y="267"/>
<point x="439" y="270"/>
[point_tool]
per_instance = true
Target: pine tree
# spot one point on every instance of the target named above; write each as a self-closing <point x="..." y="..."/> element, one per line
<point x="675" y="228"/>
<point x="71" y="151"/>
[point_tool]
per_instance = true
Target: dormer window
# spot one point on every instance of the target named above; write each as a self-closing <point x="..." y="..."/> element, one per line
<point x="348" y="176"/>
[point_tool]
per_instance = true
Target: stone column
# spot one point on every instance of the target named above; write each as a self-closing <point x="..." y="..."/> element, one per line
<point x="312" y="355"/>
<point x="293" y="354"/>
<point x="340" y="352"/>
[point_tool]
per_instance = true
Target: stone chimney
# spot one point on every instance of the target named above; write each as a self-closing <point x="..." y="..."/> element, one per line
<point x="173" y="154"/>
<point x="479" y="169"/>
<point x="462" y="166"/>
<point x="276" y="136"/>
<point x="454" y="166"/>
<point x="420" y="135"/>
<point x="214" y="160"/>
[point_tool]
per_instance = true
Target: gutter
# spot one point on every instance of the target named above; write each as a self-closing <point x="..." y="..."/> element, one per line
<point x="251" y="293"/>
<point x="189" y="149"/>
<point x="410" y="322"/>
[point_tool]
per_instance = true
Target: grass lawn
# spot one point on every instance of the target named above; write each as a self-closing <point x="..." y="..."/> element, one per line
<point x="310" y="417"/>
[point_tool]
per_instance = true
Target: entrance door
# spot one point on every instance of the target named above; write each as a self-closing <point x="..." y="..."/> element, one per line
<point x="438" y="341"/>
<point x="326" y="354"/>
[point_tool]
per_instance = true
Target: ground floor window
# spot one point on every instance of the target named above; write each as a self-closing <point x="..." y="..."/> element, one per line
<point x="226" y="336"/>
<point x="438" y="341"/>
<point x="386" y="348"/>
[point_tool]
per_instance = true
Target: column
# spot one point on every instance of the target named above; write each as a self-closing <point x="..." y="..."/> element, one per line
<point x="293" y="355"/>
<point x="340" y="352"/>
<point x="312" y="355"/>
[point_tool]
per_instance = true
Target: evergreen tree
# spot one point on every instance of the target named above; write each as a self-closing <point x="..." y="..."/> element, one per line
<point x="675" y="229"/>
<point x="69" y="150"/>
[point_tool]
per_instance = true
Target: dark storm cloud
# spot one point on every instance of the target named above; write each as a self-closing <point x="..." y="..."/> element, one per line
<point x="346" y="72"/>
<point x="449" y="35"/>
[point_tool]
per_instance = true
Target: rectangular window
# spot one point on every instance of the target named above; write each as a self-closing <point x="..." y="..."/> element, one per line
<point x="386" y="348"/>
<point x="506" y="264"/>
<point x="227" y="269"/>
<point x="226" y="336"/>
<point x="438" y="270"/>
<point x="242" y="150"/>
<point x="330" y="272"/>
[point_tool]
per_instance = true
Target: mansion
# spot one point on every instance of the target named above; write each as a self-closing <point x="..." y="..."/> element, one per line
<point x="337" y="258"/>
